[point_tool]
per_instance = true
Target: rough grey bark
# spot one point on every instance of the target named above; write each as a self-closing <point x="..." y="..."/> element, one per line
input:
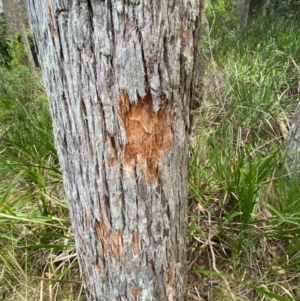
<point x="293" y="144"/>
<point x="242" y="11"/>
<point x="119" y="77"/>
<point x="15" y="27"/>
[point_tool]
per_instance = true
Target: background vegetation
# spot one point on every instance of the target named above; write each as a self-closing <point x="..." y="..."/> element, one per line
<point x="244" y="203"/>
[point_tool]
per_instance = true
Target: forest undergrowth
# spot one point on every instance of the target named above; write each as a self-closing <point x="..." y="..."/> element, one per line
<point x="244" y="203"/>
<point x="244" y="217"/>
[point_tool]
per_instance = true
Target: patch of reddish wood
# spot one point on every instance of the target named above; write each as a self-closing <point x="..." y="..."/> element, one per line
<point x="111" y="240"/>
<point x="135" y="293"/>
<point x="148" y="133"/>
<point x="111" y="149"/>
<point x="136" y="243"/>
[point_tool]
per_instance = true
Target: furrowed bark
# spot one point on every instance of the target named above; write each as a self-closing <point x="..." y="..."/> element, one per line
<point x="119" y="78"/>
<point x="242" y="11"/>
<point x="293" y="146"/>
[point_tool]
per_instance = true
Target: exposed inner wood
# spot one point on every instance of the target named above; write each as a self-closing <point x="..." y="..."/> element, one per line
<point x="111" y="240"/>
<point x="136" y="243"/>
<point x="148" y="133"/>
<point x="110" y="144"/>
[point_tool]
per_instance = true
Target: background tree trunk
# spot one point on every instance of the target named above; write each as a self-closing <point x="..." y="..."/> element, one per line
<point x="119" y="77"/>
<point x="242" y="11"/>
<point x="15" y="27"/>
<point x="293" y="144"/>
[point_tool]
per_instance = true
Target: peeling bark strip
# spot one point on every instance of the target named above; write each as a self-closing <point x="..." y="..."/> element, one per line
<point x="119" y="76"/>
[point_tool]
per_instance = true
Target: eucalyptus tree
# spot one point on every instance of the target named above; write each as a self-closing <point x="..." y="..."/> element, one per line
<point x="119" y="76"/>
<point x="242" y="11"/>
<point x="293" y="144"/>
<point x="15" y="27"/>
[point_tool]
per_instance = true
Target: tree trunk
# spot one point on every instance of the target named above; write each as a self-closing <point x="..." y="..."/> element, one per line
<point x="293" y="144"/>
<point x="15" y="26"/>
<point x="119" y="77"/>
<point x="242" y="11"/>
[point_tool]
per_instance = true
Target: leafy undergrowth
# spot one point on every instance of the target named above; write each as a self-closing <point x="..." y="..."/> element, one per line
<point x="244" y="217"/>
<point x="244" y="222"/>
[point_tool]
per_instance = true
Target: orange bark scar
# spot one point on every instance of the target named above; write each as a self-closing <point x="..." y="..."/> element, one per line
<point x="110" y="144"/>
<point x="148" y="134"/>
<point x="170" y="276"/>
<point x="111" y="240"/>
<point x="171" y="288"/>
<point x="136" y="243"/>
<point x="52" y="20"/>
<point x="135" y="293"/>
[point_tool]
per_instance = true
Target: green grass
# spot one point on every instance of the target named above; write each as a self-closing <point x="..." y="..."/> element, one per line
<point x="244" y="205"/>
<point x="37" y="244"/>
